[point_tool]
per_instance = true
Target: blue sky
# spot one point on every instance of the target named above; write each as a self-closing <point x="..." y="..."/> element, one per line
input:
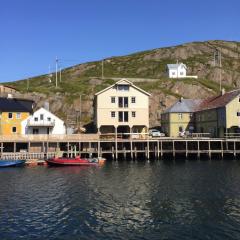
<point x="34" y="32"/>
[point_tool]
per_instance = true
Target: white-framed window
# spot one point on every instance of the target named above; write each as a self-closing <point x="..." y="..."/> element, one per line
<point x="49" y="119"/>
<point x="133" y="114"/>
<point x="18" y="115"/>
<point x="180" y="116"/>
<point x="14" y="129"/>
<point x="113" y="100"/>
<point x="10" y="115"/>
<point x="113" y="114"/>
<point x="41" y="117"/>
<point x="35" y="119"/>
<point x="133" y="99"/>
<point x="123" y="87"/>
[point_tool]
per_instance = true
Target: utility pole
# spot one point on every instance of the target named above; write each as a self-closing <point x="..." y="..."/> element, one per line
<point x="49" y="74"/>
<point x="60" y="74"/>
<point x="102" y="69"/>
<point x="80" y="109"/>
<point x="27" y="84"/>
<point x="220" y="74"/>
<point x="56" y="61"/>
<point x="218" y="62"/>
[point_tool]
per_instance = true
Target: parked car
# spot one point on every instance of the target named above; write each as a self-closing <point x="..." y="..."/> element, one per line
<point x="156" y="133"/>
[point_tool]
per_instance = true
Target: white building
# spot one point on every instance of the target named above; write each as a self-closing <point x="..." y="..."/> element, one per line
<point x="43" y="122"/>
<point x="122" y="107"/>
<point x="178" y="70"/>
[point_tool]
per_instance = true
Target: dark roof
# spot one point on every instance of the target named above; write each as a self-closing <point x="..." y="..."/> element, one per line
<point x="16" y="105"/>
<point x="218" y="101"/>
<point x="184" y="106"/>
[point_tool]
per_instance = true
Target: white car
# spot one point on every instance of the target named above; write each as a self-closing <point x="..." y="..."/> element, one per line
<point x="156" y="133"/>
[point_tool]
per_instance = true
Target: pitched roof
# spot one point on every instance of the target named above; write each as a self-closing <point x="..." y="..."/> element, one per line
<point x="15" y="105"/>
<point x="123" y="81"/>
<point x="184" y="106"/>
<point x="175" y="66"/>
<point x="218" y="101"/>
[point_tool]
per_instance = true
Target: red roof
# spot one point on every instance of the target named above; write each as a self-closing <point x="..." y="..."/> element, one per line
<point x="218" y="101"/>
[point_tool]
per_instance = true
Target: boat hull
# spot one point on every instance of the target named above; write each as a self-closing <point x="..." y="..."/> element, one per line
<point x="74" y="162"/>
<point x="11" y="163"/>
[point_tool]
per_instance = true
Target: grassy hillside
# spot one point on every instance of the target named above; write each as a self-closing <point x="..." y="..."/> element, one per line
<point x="147" y="70"/>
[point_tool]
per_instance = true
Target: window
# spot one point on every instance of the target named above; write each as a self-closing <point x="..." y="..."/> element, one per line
<point x="180" y="116"/>
<point x="181" y="73"/>
<point x="10" y="115"/>
<point x="18" y="115"/>
<point x="238" y="114"/>
<point x="112" y="99"/>
<point x="133" y="114"/>
<point x="133" y="99"/>
<point x="49" y="119"/>
<point x="173" y="73"/>
<point x="123" y="116"/>
<point x="41" y="116"/>
<point x="113" y="114"/>
<point x="122" y="102"/>
<point x="123" y="87"/>
<point x="35" y="119"/>
<point x="14" y="129"/>
<point x="35" y="131"/>
<point x="120" y="116"/>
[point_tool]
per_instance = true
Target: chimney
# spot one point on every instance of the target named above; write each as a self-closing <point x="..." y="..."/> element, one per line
<point x="222" y="91"/>
<point x="46" y="105"/>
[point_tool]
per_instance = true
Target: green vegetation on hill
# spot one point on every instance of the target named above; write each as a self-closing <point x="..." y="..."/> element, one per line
<point x="147" y="70"/>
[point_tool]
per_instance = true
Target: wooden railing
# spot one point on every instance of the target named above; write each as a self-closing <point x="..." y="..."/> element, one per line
<point x="232" y="135"/>
<point x="50" y="137"/>
<point x="26" y="155"/>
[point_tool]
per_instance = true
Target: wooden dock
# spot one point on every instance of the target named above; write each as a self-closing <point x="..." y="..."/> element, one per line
<point x="41" y="147"/>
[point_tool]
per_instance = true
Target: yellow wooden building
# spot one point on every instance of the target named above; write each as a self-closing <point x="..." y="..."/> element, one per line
<point x="12" y="112"/>
<point x="215" y="116"/>
<point x="220" y="114"/>
<point x="179" y="118"/>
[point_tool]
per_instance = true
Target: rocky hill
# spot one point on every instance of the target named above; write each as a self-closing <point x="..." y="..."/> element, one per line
<point x="147" y="70"/>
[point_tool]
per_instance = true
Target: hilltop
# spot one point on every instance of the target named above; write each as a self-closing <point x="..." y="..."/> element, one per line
<point x="147" y="70"/>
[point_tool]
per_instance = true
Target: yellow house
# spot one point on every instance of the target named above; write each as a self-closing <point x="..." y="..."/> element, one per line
<point x="12" y="112"/>
<point x="179" y="118"/>
<point x="220" y="114"/>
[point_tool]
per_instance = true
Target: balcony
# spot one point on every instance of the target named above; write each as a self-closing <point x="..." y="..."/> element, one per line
<point x="41" y="123"/>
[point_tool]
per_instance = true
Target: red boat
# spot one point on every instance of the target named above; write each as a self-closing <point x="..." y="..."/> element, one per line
<point x="77" y="161"/>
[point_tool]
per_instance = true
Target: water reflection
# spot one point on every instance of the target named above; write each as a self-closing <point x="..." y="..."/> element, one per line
<point x="122" y="200"/>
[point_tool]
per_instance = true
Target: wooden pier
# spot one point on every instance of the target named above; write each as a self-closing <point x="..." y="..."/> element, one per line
<point x="41" y="147"/>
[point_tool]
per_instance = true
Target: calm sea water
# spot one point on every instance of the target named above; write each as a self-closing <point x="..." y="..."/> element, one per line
<point x="122" y="200"/>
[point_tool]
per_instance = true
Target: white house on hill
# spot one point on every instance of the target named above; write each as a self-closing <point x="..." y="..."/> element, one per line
<point x="122" y="107"/>
<point x="178" y="70"/>
<point x="43" y="122"/>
